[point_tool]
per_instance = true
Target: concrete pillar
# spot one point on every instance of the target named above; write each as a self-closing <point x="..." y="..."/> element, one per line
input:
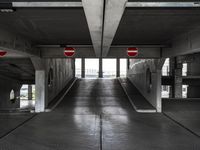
<point x="128" y="64"/>
<point x="40" y="91"/>
<point x="41" y="84"/>
<point x="83" y="68"/>
<point x="158" y="90"/>
<point x="176" y="72"/>
<point x="100" y="68"/>
<point x="73" y="67"/>
<point x="118" y="67"/>
<point x="29" y="92"/>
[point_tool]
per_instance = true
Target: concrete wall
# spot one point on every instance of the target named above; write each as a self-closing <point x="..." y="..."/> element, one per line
<point x="137" y="74"/>
<point x="6" y="85"/>
<point x="62" y="74"/>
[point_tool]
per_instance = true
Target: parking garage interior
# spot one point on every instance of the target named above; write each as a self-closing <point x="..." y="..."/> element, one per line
<point x="99" y="97"/>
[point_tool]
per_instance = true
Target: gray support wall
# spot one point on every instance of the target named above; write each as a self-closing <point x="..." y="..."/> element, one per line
<point x="62" y="74"/>
<point x="6" y="85"/>
<point x="52" y="75"/>
<point x="137" y="74"/>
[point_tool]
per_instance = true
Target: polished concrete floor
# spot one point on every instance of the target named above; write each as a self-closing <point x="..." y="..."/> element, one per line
<point x="96" y="115"/>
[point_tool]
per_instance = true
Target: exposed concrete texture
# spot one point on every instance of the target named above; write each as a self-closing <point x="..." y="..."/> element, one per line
<point x="99" y="117"/>
<point x="187" y="43"/>
<point x="194" y="70"/>
<point x="6" y="85"/>
<point x="186" y="112"/>
<point x="62" y="74"/>
<point x="94" y="14"/>
<point x="113" y="14"/>
<point x="52" y="75"/>
<point x="88" y="52"/>
<point x="145" y="74"/>
<point x="13" y="43"/>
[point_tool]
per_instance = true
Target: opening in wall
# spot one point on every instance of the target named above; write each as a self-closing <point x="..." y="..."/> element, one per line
<point x="184" y="91"/>
<point x="109" y="68"/>
<point x="78" y="67"/>
<point x="184" y="69"/>
<point x="92" y="68"/>
<point x="165" y="91"/>
<point x="123" y="67"/>
<point x="166" y="67"/>
<point x="27" y="96"/>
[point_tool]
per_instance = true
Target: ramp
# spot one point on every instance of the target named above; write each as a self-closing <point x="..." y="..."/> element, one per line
<point x="137" y="100"/>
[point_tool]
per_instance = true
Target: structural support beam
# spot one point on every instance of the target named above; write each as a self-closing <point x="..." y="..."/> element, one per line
<point x="163" y="4"/>
<point x="94" y="15"/>
<point x="88" y="52"/>
<point x="16" y="45"/>
<point x="47" y="4"/>
<point x="187" y="43"/>
<point x="113" y="14"/>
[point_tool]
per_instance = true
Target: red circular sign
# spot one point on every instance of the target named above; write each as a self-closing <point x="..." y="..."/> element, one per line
<point x="132" y="51"/>
<point x="69" y="51"/>
<point x="2" y="53"/>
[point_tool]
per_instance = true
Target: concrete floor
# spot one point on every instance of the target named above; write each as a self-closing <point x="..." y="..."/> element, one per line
<point x="95" y="115"/>
<point x="186" y="112"/>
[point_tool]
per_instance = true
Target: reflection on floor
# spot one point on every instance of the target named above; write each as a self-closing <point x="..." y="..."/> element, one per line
<point x="95" y="115"/>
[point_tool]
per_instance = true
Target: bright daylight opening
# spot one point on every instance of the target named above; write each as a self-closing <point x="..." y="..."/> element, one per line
<point x="78" y="67"/>
<point x="91" y="68"/>
<point x="27" y="96"/>
<point x="109" y="68"/>
<point x="123" y="67"/>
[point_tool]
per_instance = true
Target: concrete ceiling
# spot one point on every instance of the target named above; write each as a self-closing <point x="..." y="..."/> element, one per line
<point x="48" y="25"/>
<point x="155" y="25"/>
<point x="19" y="69"/>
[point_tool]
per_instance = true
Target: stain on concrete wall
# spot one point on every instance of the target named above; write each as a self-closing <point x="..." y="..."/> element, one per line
<point x="145" y="74"/>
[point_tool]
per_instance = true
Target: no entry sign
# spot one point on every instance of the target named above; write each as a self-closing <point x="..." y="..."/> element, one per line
<point x="132" y="51"/>
<point x="69" y="51"/>
<point x="2" y="53"/>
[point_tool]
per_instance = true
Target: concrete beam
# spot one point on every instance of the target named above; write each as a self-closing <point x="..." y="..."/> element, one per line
<point x="113" y="14"/>
<point x="16" y="45"/>
<point x="88" y="52"/>
<point x="187" y="43"/>
<point x="47" y="4"/>
<point x="94" y="15"/>
<point x="163" y="4"/>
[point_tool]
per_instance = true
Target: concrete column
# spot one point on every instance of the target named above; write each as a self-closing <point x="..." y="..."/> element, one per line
<point x="40" y="90"/>
<point x="128" y="64"/>
<point x="176" y="72"/>
<point x="100" y="68"/>
<point x="118" y="67"/>
<point x="73" y="67"/>
<point x="83" y="67"/>
<point x="158" y="90"/>
<point x="29" y="92"/>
